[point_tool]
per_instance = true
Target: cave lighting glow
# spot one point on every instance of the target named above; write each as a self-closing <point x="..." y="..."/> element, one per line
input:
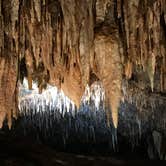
<point x="52" y="98"/>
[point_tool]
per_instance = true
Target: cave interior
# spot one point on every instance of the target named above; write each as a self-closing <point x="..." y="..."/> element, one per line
<point x="82" y="82"/>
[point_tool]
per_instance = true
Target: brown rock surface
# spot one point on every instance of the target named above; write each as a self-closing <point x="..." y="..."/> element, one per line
<point x="65" y="42"/>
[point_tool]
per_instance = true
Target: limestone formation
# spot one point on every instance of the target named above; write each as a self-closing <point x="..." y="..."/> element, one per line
<point x="72" y="43"/>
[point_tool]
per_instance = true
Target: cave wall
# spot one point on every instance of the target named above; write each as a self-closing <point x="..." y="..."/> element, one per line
<point x="72" y="43"/>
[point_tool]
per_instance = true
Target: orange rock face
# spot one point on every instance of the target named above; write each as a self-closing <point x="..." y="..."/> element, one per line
<point x="68" y="42"/>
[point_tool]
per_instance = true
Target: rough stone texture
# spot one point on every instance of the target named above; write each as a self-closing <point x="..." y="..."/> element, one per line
<point x="68" y="43"/>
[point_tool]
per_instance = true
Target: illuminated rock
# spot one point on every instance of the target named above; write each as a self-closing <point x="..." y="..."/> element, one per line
<point x="72" y="43"/>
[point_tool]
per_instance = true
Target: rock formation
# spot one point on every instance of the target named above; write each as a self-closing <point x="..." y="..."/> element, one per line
<point x="72" y="43"/>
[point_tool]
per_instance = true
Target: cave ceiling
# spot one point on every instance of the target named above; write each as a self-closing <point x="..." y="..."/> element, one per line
<point x="72" y="43"/>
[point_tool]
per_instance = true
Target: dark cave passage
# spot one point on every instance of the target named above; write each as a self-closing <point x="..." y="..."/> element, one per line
<point x="58" y="125"/>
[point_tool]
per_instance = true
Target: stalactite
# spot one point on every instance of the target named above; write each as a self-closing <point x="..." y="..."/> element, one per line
<point x="151" y="69"/>
<point x="128" y="69"/>
<point x="72" y="39"/>
<point x="108" y="55"/>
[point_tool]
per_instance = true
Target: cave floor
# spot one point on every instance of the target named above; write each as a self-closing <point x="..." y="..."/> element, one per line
<point x="26" y="152"/>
